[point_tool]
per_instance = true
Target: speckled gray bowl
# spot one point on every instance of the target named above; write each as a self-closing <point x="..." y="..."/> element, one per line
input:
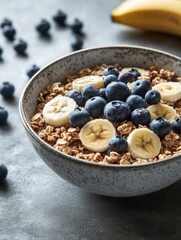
<point x="109" y="180"/>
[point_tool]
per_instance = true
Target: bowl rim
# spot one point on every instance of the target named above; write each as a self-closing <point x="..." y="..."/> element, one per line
<point x="69" y="157"/>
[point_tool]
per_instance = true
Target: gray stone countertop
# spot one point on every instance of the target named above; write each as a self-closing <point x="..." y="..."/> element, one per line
<point x="36" y="204"/>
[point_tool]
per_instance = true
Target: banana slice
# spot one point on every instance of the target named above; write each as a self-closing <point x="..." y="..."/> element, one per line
<point x="96" y="134"/>
<point x="97" y="81"/>
<point x="170" y="91"/>
<point x="162" y="110"/>
<point x="140" y="70"/>
<point x="56" y="111"/>
<point x="143" y="143"/>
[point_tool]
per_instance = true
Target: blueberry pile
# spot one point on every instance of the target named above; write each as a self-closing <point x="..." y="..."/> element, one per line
<point x="60" y="17"/>
<point x="19" y="45"/>
<point x="9" y="32"/>
<point x="117" y="103"/>
<point x="43" y="28"/>
<point x="80" y="116"/>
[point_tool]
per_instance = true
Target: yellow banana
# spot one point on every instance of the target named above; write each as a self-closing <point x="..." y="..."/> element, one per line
<point x="154" y="15"/>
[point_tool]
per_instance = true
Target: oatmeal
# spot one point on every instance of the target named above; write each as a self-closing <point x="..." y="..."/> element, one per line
<point x="113" y="115"/>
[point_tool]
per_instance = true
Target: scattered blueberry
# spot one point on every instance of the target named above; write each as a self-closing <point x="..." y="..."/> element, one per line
<point x="9" y="32"/>
<point x="176" y="125"/>
<point x="111" y="70"/>
<point x="140" y="116"/>
<point x="76" y="95"/>
<point x="77" y="44"/>
<point x="102" y="92"/>
<point x="76" y="26"/>
<point x="20" y="46"/>
<point x="90" y="91"/>
<point x="117" y="91"/>
<point x="109" y="79"/>
<point x="7" y="89"/>
<point x="3" y="116"/>
<point x="152" y="97"/>
<point x="60" y="18"/>
<point x="126" y="77"/>
<point x="3" y="172"/>
<point x="32" y="70"/>
<point x="95" y="106"/>
<point x="135" y="101"/>
<point x="141" y="87"/>
<point x="43" y="27"/>
<point x="78" y="117"/>
<point x="6" y="22"/>
<point x="135" y="73"/>
<point x="117" y="111"/>
<point x="118" y="144"/>
<point x="1" y="51"/>
<point x="160" y="126"/>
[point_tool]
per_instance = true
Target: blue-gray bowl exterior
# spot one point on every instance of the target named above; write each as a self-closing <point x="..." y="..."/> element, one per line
<point x="109" y="180"/>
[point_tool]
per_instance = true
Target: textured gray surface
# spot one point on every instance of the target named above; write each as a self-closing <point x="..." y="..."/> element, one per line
<point x="34" y="202"/>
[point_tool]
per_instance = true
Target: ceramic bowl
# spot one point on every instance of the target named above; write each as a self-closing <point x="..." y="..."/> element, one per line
<point x="109" y="180"/>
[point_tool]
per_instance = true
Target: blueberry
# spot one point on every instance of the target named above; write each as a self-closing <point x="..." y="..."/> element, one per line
<point x="76" y="26"/>
<point x="152" y="97"/>
<point x="135" y="73"/>
<point x="118" y="144"/>
<point x="102" y="92"/>
<point x="135" y="101"/>
<point x="126" y="77"/>
<point x="76" y="95"/>
<point x="109" y="79"/>
<point x="176" y="125"/>
<point x="95" y="106"/>
<point x="117" y="111"/>
<point x="77" y="44"/>
<point x="9" y="32"/>
<point x="6" y="22"/>
<point x="20" y="46"/>
<point x="140" y="116"/>
<point x="141" y="87"/>
<point x="60" y="18"/>
<point x="90" y="91"/>
<point x="1" y="51"/>
<point x="3" y="172"/>
<point x="160" y="126"/>
<point x="78" y="117"/>
<point x="32" y="70"/>
<point x="117" y="91"/>
<point x="43" y="27"/>
<point x="7" y="89"/>
<point x="111" y="70"/>
<point x="3" y="116"/>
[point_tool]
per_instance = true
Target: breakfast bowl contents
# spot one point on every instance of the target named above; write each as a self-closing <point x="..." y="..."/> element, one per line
<point x="105" y="123"/>
<point x="131" y="123"/>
